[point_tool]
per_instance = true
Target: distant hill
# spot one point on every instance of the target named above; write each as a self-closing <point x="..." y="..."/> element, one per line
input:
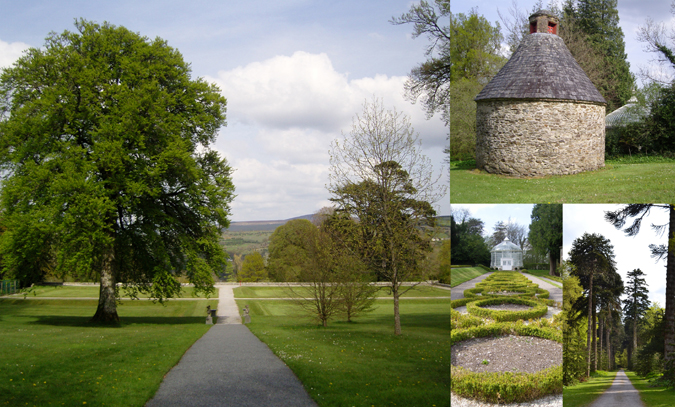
<point x="261" y="225"/>
<point x="271" y="225"/>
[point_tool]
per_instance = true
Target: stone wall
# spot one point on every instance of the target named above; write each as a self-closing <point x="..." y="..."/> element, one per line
<point x="527" y="138"/>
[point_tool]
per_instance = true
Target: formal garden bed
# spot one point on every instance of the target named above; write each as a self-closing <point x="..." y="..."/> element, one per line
<point x="506" y="342"/>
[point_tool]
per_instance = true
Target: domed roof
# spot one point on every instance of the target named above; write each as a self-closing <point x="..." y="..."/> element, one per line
<point x="541" y="68"/>
<point x="506" y="246"/>
<point x="631" y="112"/>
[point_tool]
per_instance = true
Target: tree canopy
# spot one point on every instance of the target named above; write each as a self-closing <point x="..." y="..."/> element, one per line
<point x="287" y="249"/>
<point x="545" y="234"/>
<point x="106" y="164"/>
<point x="379" y="176"/>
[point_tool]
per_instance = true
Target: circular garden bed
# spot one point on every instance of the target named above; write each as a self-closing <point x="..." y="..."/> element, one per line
<point x="496" y="357"/>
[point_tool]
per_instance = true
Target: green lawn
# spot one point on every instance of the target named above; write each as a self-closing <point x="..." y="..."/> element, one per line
<point x="461" y="274"/>
<point x="51" y="355"/>
<point x="67" y="291"/>
<point x="362" y="363"/>
<point x="544" y="274"/>
<point x="652" y="396"/>
<point x="583" y="394"/>
<point x="282" y="292"/>
<point x="618" y="182"/>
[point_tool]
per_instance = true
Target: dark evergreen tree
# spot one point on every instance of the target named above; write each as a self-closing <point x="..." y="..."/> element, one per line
<point x="593" y="258"/>
<point x="546" y="232"/>
<point x="468" y="246"/>
<point x="639" y="211"/>
<point x="599" y="21"/>
<point x="637" y="303"/>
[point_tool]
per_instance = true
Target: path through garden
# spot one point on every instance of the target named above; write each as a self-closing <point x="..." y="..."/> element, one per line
<point x="229" y="366"/>
<point x="457" y="292"/>
<point x="622" y="393"/>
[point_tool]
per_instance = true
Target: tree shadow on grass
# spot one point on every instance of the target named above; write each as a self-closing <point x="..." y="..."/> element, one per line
<point x="84" y="322"/>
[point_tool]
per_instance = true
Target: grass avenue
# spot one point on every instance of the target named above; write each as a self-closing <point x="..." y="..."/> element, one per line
<point x="50" y="348"/>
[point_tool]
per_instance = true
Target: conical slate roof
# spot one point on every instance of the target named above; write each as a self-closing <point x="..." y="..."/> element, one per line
<point x="541" y="68"/>
<point x="506" y="246"/>
<point x="628" y="113"/>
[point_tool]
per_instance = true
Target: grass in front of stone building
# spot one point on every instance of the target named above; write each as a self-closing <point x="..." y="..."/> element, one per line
<point x="583" y="394"/>
<point x="283" y="292"/>
<point x="51" y="355"/>
<point x="621" y="181"/>
<point x="363" y="363"/>
<point x="651" y="395"/>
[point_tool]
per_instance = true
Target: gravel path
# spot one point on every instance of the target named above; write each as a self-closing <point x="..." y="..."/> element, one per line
<point x="555" y="293"/>
<point x="548" y="401"/>
<point x="457" y="292"/>
<point x="229" y="366"/>
<point x="621" y="393"/>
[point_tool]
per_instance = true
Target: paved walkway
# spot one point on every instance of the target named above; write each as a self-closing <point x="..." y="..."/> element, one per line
<point x="457" y="292"/>
<point x="229" y="366"/>
<point x="621" y="393"/>
<point x="555" y="293"/>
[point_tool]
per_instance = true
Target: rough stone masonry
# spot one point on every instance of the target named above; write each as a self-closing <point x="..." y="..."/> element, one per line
<point x="540" y="115"/>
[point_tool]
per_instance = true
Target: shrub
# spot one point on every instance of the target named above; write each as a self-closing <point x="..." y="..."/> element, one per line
<point x="475" y="308"/>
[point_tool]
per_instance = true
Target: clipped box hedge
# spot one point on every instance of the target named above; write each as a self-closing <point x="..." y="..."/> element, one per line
<point x="475" y="308"/>
<point x="505" y="387"/>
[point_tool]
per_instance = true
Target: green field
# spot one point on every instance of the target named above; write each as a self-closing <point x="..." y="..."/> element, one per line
<point x="51" y="355"/>
<point x="658" y="396"/>
<point x="244" y="242"/>
<point x="282" y="292"/>
<point x="461" y="274"/>
<point x="583" y="394"/>
<point x="363" y="363"/>
<point x="618" y="182"/>
<point x="67" y="291"/>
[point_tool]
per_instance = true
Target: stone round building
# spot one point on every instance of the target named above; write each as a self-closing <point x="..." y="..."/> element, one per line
<point x="540" y="115"/>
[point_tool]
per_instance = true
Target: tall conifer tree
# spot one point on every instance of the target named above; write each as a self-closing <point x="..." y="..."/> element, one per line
<point x="599" y="20"/>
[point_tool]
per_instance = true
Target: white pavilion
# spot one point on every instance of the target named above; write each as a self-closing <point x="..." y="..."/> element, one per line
<point x="506" y="256"/>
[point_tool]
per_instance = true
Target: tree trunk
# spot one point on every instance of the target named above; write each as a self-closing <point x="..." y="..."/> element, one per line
<point x="602" y="332"/>
<point x="551" y="263"/>
<point x="590" y="320"/>
<point x="669" y="334"/>
<point x="397" y="317"/>
<point x="595" y="340"/>
<point x="635" y="335"/>
<point x="107" y="301"/>
<point x="609" y="348"/>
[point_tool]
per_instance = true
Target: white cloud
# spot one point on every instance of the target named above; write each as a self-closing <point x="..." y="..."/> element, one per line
<point x="283" y="113"/>
<point x="305" y="91"/>
<point x="10" y="52"/>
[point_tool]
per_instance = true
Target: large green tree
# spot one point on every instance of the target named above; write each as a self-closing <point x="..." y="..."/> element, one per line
<point x="379" y="176"/>
<point x="287" y="249"/>
<point x="599" y="21"/>
<point x="639" y="211"/>
<point x="545" y="234"/>
<point x="468" y="247"/>
<point x="105" y="157"/>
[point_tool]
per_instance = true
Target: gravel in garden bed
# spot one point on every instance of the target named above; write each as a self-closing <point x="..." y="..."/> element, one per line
<point x="555" y="400"/>
<point x="507" y="307"/>
<point x="510" y="353"/>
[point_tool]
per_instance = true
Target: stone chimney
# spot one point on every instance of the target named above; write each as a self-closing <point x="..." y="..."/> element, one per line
<point x="543" y="21"/>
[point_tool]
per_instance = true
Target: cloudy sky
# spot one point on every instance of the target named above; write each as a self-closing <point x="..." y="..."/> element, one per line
<point x="294" y="73"/>
<point x="631" y="252"/>
<point x="490" y="214"/>
<point x="632" y="15"/>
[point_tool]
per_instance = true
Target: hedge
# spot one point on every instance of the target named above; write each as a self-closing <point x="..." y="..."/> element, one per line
<point x="475" y="308"/>
<point x="505" y="387"/>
